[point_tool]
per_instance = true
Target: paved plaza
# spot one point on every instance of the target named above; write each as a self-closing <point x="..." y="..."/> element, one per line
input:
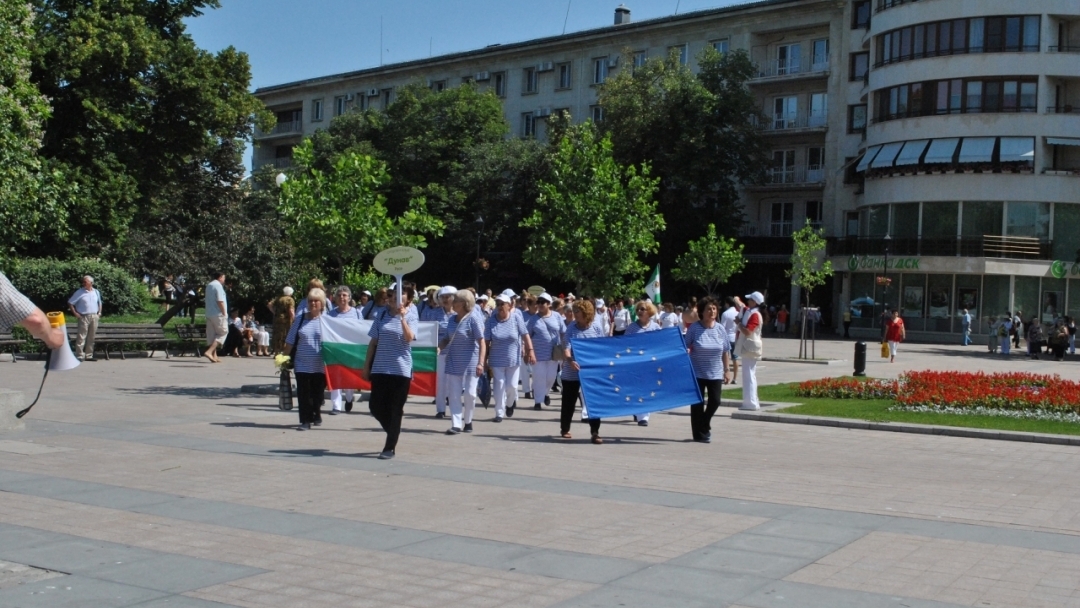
<point x="158" y="483"/>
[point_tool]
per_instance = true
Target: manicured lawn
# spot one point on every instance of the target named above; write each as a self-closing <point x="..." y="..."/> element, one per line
<point x="876" y="410"/>
<point x="150" y="316"/>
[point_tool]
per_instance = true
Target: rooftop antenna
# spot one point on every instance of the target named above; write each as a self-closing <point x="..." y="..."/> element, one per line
<point x="677" y="6"/>
<point x="567" y="18"/>
<point x="380" y="41"/>
<point x="430" y="42"/>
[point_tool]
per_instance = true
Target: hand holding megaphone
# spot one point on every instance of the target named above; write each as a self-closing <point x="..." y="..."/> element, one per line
<point x="60" y="357"/>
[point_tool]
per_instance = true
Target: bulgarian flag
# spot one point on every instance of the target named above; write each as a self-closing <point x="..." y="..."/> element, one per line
<point x="344" y="350"/>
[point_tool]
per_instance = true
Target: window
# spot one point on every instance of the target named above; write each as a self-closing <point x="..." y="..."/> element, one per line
<point x="815" y="164"/>
<point x="852" y="223"/>
<point x="785" y="112"/>
<point x="599" y="70"/>
<point x="819" y="109"/>
<point x="597" y="113"/>
<point x="860" y="14"/>
<point x="857" y="118"/>
<point x="976" y="35"/>
<point x="1008" y="94"/>
<point x="682" y="51"/>
<point x="316" y="110"/>
<point x="387" y="97"/>
<point x="783" y="167"/>
<point x="782" y="219"/>
<point x="340" y="105"/>
<point x="499" y="79"/>
<point x="438" y="86"/>
<point x="564" y="75"/>
<point x="721" y="46"/>
<point x="639" y="58"/>
<point x="530" y="81"/>
<point x="528" y="125"/>
<point x="813" y="213"/>
<point x="860" y="66"/>
<point x="361" y="101"/>
<point x="787" y="59"/>
<point x="821" y="55"/>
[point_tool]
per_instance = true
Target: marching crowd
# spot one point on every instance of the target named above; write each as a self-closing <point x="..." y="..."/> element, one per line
<point x="498" y="342"/>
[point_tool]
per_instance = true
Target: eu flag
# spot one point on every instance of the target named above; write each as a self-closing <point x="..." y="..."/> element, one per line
<point x="627" y="375"/>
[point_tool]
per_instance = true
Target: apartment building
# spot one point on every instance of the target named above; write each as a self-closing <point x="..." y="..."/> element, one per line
<point x="862" y="99"/>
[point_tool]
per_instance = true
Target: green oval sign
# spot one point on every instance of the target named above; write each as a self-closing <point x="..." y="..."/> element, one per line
<point x="1058" y="269"/>
<point x="398" y="261"/>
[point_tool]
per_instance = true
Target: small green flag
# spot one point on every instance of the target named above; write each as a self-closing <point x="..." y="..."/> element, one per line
<point x="652" y="288"/>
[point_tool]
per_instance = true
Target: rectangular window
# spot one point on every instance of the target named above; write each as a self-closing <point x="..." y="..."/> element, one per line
<point x="821" y="55"/>
<point x="919" y="49"/>
<point x="995" y="33"/>
<point x="1028" y="96"/>
<point x="782" y="219"/>
<point x="860" y="65"/>
<point x="785" y="112"/>
<point x="894" y="46"/>
<point x="959" y="35"/>
<point x="956" y="96"/>
<point x="528" y="125"/>
<point x="945" y="38"/>
<point x="813" y="213"/>
<point x="815" y="164"/>
<point x="902" y="101"/>
<point x="1012" y="34"/>
<point x="894" y="102"/>
<point x="942" y="106"/>
<point x="884" y="48"/>
<point x="860" y="14"/>
<point x="640" y="57"/>
<point x="597" y="113"/>
<point x="991" y="96"/>
<point x="499" y="79"/>
<point x="787" y="59"/>
<point x="819" y="109"/>
<point x="387" y="98"/>
<point x="1010" y="96"/>
<point x="931" y="40"/>
<point x="682" y="51"/>
<point x="1031" y="33"/>
<point x="915" y="100"/>
<point x="599" y="70"/>
<point x="974" y="101"/>
<point x="362" y="101"/>
<point x="721" y="46"/>
<point x="316" y="110"/>
<point x="529" y="85"/>
<point x="339" y="105"/>
<point x="905" y="43"/>
<point x="975" y="35"/>
<point x="856" y="119"/>
<point x="438" y="86"/>
<point x="564" y="75"/>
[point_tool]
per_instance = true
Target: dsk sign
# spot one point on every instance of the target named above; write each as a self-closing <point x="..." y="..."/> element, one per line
<point x="868" y="263"/>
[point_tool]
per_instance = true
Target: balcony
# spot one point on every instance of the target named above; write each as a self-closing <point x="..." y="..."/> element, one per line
<point x="802" y="121"/>
<point x="988" y="246"/>
<point x="790" y="70"/>
<point x="1064" y="49"/>
<point x="281" y="129"/>
<point x="793" y="177"/>
<point x="767" y="249"/>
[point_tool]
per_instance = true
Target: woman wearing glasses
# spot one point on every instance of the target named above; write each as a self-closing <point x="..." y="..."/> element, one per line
<point x="646" y="321"/>
<point x="304" y="345"/>
<point x="581" y="329"/>
<point x="710" y="355"/>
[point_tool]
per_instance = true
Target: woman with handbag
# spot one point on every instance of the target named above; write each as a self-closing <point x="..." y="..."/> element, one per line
<point x="388" y="366"/>
<point x="581" y="329"/>
<point x="304" y="345"/>
<point x="750" y="348"/>
<point x="546" y="330"/>
<point x="465" y="353"/>
<point x="710" y="356"/>
<point x="506" y="334"/>
<point x="895" y="334"/>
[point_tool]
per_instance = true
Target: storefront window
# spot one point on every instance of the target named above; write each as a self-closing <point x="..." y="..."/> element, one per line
<point x="981" y="218"/>
<point x="913" y="301"/>
<point x="1026" y="297"/>
<point x="995" y="298"/>
<point x="939" y="219"/>
<point x="1066" y="235"/>
<point x="1074" y="299"/>
<point x="969" y="296"/>
<point x="905" y="220"/>
<point x="862" y="299"/>
<point x="877" y="220"/>
<point x="1028" y="219"/>
<point x="939" y="311"/>
<point x="1052" y="302"/>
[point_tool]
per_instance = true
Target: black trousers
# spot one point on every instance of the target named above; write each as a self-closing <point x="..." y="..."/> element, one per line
<point x="701" y="413"/>
<point x="571" y="392"/>
<point x="387" y="403"/>
<point x="309" y="395"/>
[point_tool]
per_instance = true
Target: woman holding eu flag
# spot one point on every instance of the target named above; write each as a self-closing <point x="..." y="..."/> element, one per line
<point x="710" y="354"/>
<point x="581" y="329"/>
<point x="646" y="313"/>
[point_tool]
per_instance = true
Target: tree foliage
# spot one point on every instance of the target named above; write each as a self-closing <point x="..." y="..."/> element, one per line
<point x="340" y="217"/>
<point x="809" y="269"/>
<point x="696" y="131"/>
<point x="710" y="261"/>
<point x="594" y="219"/>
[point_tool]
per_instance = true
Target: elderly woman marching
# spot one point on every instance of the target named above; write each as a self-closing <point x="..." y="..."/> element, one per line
<point x="284" y="310"/>
<point x="389" y="366"/>
<point x="465" y="352"/>
<point x="646" y="321"/>
<point x="304" y="344"/>
<point x="546" y="329"/>
<point x="441" y="315"/>
<point x="582" y="328"/>
<point x="710" y="356"/>
<point x="343" y="308"/>
<point x="750" y="348"/>
<point x="506" y="333"/>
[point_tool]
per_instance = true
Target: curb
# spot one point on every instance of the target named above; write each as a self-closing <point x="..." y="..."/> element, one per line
<point x="806" y="361"/>
<point x="905" y="427"/>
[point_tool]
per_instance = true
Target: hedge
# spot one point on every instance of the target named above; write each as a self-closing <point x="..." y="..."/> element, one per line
<point x="49" y="283"/>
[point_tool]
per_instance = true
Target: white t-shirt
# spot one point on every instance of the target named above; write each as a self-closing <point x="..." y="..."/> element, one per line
<point x="86" y="302"/>
<point x="602" y="321"/>
<point x="727" y="321"/>
<point x="622" y="319"/>
<point x="669" y="319"/>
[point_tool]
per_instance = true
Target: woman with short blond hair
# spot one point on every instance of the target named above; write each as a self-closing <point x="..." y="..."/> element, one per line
<point x="465" y="354"/>
<point x="304" y="345"/>
<point x="581" y="329"/>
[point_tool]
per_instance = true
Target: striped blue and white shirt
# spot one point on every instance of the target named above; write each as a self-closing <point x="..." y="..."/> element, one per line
<point x="546" y="332"/>
<point x="440" y="316"/>
<point x="463" y="353"/>
<point x="573" y="332"/>
<point x="636" y="328"/>
<point x="505" y="337"/>
<point x="307" y="351"/>
<point x="393" y="355"/>
<point x="352" y="313"/>
<point x="707" y="348"/>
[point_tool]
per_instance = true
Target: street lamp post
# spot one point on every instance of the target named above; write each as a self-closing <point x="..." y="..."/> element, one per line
<point x="479" y="223"/>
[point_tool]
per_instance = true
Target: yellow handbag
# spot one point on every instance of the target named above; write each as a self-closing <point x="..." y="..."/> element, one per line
<point x="884" y="350"/>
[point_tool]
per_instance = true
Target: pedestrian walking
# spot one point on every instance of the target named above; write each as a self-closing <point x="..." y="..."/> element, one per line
<point x="283" y="308"/>
<point x="582" y="328"/>
<point x="389" y="366"/>
<point x="546" y="330"/>
<point x="710" y="356"/>
<point x="965" y="326"/>
<point x="341" y="400"/>
<point x="217" y="319"/>
<point x="465" y="354"/>
<point x="646" y="322"/>
<point x="85" y="303"/>
<point x="750" y="348"/>
<point x="304" y="345"/>
<point x="895" y="334"/>
<point x="508" y="344"/>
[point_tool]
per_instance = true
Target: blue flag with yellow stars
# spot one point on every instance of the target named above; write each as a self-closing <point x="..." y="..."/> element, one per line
<point x="627" y="375"/>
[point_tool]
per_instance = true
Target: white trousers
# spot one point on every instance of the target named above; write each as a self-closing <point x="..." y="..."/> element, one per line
<point x="462" y="391"/>
<point x="504" y="387"/>
<point x="526" y="378"/>
<point x="264" y="338"/>
<point x="749" y="380"/>
<point x="335" y="398"/>
<point x="441" y="389"/>
<point x="544" y="373"/>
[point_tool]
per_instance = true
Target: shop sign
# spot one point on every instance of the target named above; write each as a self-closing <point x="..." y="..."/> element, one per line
<point x="1060" y="269"/>
<point x="868" y="263"/>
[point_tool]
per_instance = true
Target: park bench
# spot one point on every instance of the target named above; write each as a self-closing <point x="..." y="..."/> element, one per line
<point x="10" y="344"/>
<point x="191" y="336"/>
<point x="109" y="334"/>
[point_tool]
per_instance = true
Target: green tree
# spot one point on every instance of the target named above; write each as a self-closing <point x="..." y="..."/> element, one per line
<point x="809" y="269"/>
<point x="696" y="131"/>
<point x="595" y="219"/>
<point x="339" y="218"/>
<point x="29" y="200"/>
<point x="710" y="261"/>
<point x="137" y="108"/>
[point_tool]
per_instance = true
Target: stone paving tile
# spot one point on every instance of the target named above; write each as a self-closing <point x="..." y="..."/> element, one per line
<point x="962" y="572"/>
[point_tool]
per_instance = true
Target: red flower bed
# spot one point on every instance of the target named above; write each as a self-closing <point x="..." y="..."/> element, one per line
<point x="1017" y="391"/>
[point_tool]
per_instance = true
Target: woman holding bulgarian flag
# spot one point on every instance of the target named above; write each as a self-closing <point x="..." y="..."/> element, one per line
<point x="389" y="366"/>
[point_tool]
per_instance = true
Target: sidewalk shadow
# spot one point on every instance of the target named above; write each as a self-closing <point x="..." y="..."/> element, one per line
<point x="253" y="425"/>
<point x="586" y="438"/>
<point x="199" y="392"/>
<point x="319" y="453"/>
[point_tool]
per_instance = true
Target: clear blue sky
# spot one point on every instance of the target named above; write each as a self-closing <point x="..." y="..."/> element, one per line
<point x="291" y="40"/>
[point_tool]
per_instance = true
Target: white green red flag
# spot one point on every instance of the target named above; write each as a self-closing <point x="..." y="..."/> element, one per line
<point x="344" y="350"/>
<point x="652" y="288"/>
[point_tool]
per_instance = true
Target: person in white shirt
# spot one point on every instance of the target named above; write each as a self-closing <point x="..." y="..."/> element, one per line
<point x="217" y="325"/>
<point x="602" y="321"/>
<point x="729" y="321"/>
<point x="621" y="319"/>
<point x="85" y="303"/>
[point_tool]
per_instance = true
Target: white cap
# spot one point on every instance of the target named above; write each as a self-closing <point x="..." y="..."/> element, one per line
<point x="287" y="291"/>
<point x="481" y="297"/>
<point x="571" y="296"/>
<point x="502" y="297"/>
<point x="448" y="290"/>
<point x="545" y="296"/>
<point x="599" y="302"/>
<point x="366" y="292"/>
<point x="393" y="286"/>
<point x="508" y="293"/>
<point x="756" y="296"/>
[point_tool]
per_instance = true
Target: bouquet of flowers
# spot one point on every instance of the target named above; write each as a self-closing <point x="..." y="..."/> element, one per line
<point x="282" y="362"/>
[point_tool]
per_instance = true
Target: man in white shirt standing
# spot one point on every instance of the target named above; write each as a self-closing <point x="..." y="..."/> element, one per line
<point x="729" y="321"/>
<point x="85" y="303"/>
<point x="217" y="321"/>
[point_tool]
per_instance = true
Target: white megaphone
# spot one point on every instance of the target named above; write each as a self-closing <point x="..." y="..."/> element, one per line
<point x="62" y="359"/>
